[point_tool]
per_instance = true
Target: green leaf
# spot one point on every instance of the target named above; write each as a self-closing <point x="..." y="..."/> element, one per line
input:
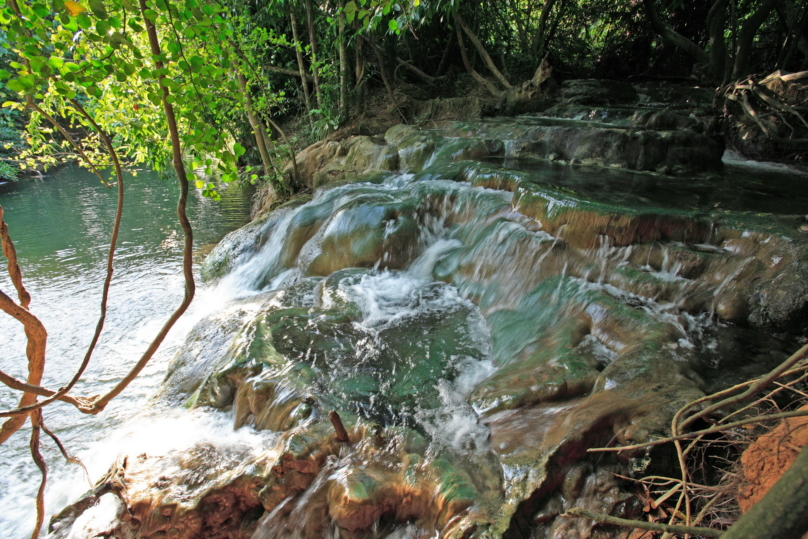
<point x="98" y="8"/>
<point x="15" y="85"/>
<point x="41" y="10"/>
<point x="200" y="184"/>
<point x="70" y="24"/>
<point x="392" y="25"/>
<point x="350" y="7"/>
<point x="4" y="74"/>
<point x="56" y="62"/>
<point x="102" y="27"/>
<point x="37" y="63"/>
<point x="84" y="21"/>
<point x="27" y="81"/>
<point x="238" y="149"/>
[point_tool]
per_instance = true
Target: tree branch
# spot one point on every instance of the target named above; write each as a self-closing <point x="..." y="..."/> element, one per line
<point x="187" y="263"/>
<point x="479" y="78"/>
<point x="673" y="37"/>
<point x="489" y="63"/>
<point x="37" y="338"/>
<point x="13" y="267"/>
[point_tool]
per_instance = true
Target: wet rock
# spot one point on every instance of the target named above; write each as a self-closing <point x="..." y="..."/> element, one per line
<point x="241" y="243"/>
<point x="662" y="120"/>
<point x="290" y="364"/>
<point x="597" y="92"/>
<point x="307" y="485"/>
<point x="207" y="491"/>
<point x="363" y="233"/>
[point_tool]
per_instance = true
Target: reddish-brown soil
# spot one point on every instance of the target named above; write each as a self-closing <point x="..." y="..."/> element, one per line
<point x="768" y="457"/>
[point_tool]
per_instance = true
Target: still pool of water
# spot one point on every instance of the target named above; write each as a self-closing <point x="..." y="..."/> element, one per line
<point x="61" y="227"/>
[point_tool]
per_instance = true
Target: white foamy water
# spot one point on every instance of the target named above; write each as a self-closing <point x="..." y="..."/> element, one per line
<point x="60" y="226"/>
<point x="736" y="160"/>
<point x="155" y="433"/>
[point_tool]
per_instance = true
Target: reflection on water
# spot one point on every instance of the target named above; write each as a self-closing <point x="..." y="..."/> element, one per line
<point x="61" y="227"/>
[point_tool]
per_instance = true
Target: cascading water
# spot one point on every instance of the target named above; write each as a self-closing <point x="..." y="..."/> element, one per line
<point x="60" y="225"/>
<point x="476" y="326"/>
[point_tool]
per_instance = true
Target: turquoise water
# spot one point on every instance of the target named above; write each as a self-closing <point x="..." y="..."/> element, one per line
<point x="61" y="227"/>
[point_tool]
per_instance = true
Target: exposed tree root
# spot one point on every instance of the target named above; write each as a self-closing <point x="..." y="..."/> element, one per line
<point x="652" y="526"/>
<point x="659" y="490"/>
<point x="756" y="103"/>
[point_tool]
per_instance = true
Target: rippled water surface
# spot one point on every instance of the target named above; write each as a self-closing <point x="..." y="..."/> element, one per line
<point x="61" y="227"/>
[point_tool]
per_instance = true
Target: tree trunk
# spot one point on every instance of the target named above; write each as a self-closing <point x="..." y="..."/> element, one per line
<point x="290" y="72"/>
<point x="300" y="65"/>
<point x="423" y="76"/>
<point x="672" y="36"/>
<point x="783" y="511"/>
<point x="343" y="65"/>
<point x="315" y="70"/>
<point x="479" y="78"/>
<point x="746" y="37"/>
<point x="716" y="21"/>
<point x="792" y="41"/>
<point x="295" y="173"/>
<point x="260" y="139"/>
<point x="483" y="53"/>
<point x="445" y="56"/>
<point x="360" y="73"/>
<point x="383" y="69"/>
<point x="540" y="41"/>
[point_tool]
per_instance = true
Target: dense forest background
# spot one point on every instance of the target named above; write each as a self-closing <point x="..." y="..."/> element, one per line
<point x="320" y="61"/>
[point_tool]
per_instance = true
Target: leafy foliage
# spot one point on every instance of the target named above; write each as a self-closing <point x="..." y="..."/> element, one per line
<point x="70" y="58"/>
